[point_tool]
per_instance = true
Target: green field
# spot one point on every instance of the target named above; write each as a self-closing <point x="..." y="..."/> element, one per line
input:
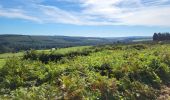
<point x="64" y="50"/>
<point x="9" y="55"/>
<point x="108" y="72"/>
<point x="2" y="62"/>
<point x="5" y="56"/>
<point x="140" y="40"/>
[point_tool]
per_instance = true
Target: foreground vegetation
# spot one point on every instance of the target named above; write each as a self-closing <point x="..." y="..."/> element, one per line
<point x="2" y="62"/>
<point x="109" y="72"/>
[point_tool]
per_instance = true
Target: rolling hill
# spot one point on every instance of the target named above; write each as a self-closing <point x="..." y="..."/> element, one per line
<point x="14" y="43"/>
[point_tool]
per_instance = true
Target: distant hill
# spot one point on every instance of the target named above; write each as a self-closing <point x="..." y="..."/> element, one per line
<point x="14" y="43"/>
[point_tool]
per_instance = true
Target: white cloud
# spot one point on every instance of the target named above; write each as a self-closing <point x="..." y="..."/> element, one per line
<point x="95" y="12"/>
<point x="15" y="13"/>
<point x="54" y="14"/>
<point x="149" y="16"/>
<point x="130" y="12"/>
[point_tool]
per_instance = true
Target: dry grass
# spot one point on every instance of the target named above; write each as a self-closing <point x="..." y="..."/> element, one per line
<point x="165" y="93"/>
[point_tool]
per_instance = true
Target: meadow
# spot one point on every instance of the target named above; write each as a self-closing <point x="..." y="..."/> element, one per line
<point x="63" y="50"/>
<point x="2" y="62"/>
<point x="5" y="56"/>
<point x="106" y="72"/>
<point x="9" y="55"/>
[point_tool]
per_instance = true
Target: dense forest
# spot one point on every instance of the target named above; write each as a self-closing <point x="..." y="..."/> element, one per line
<point x="137" y="71"/>
<point x="15" y="43"/>
<point x="161" y="36"/>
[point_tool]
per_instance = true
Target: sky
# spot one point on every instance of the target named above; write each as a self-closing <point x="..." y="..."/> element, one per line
<point x="89" y="18"/>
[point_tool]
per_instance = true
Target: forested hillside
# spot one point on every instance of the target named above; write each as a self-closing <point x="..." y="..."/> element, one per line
<point x="15" y="43"/>
<point x="108" y="72"/>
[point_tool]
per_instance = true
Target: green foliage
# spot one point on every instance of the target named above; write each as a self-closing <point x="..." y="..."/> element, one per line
<point x="127" y="72"/>
<point x="42" y="92"/>
<point x="59" y="54"/>
<point x="8" y="55"/>
<point x="2" y="62"/>
<point x="139" y="46"/>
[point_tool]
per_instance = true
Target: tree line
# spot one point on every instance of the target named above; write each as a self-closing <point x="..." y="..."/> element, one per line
<point x="161" y="36"/>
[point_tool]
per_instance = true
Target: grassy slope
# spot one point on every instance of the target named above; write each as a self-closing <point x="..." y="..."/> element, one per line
<point x="2" y="62"/>
<point x="64" y="50"/>
<point x="9" y="55"/>
<point x="4" y="56"/>
<point x="15" y="43"/>
<point x="24" y="42"/>
<point x="60" y="50"/>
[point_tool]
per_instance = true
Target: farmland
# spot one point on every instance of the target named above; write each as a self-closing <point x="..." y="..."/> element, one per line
<point x="131" y="71"/>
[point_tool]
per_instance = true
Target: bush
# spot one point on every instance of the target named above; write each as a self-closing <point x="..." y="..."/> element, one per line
<point x="139" y="46"/>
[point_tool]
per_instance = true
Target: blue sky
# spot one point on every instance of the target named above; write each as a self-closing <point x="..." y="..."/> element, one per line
<point x="94" y="18"/>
